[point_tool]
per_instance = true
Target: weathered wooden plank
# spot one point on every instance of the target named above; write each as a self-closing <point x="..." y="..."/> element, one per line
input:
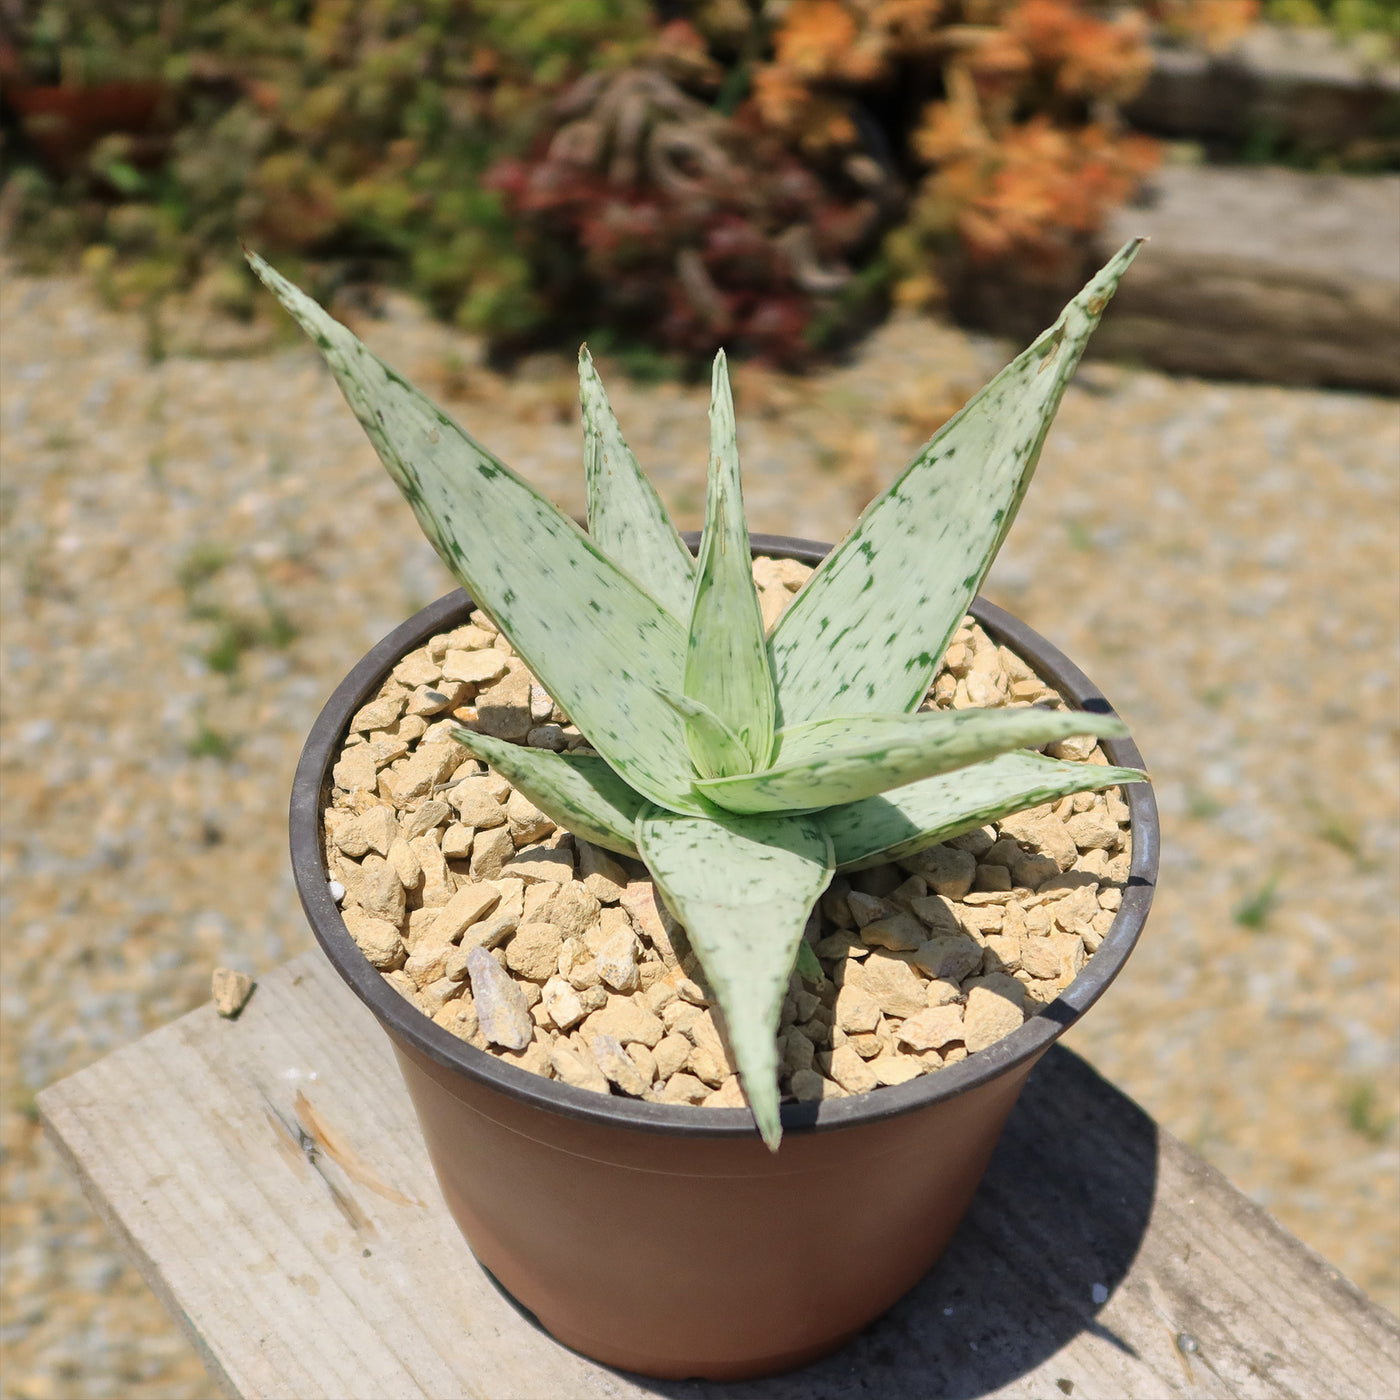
<point x="1101" y="1259"/>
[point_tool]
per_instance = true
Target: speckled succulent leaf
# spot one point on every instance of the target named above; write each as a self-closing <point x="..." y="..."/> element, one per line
<point x="867" y="631"/>
<point x="847" y="758"/>
<point x="714" y="748"/>
<point x="625" y="515"/>
<point x="899" y="823"/>
<point x="743" y="887"/>
<point x="726" y="665"/>
<point x="596" y="641"/>
<point x="579" y="792"/>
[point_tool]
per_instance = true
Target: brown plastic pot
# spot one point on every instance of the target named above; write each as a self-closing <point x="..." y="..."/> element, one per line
<point x="667" y="1239"/>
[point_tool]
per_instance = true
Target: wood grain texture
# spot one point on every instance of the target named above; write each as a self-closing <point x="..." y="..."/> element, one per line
<point x="268" y="1177"/>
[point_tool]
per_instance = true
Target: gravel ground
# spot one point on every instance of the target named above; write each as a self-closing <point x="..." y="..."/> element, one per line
<point x="196" y="549"/>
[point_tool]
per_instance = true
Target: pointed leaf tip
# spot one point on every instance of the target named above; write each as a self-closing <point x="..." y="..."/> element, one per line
<point x="625" y="515"/>
<point x="743" y="887"/>
<point x="726" y="665"/>
<point x="866" y="632"/>
<point x="484" y="520"/>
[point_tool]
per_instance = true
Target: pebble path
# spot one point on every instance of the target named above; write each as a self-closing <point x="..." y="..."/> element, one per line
<point x="196" y="548"/>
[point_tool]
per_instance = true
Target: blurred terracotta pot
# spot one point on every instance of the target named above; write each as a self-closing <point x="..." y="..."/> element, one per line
<point x="667" y="1239"/>
<point x="64" y="123"/>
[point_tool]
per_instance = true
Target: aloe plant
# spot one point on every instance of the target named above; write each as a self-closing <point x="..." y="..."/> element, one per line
<point x="744" y="769"/>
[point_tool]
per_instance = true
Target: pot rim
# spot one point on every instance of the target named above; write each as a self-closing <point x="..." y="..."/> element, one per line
<point x="404" y="1022"/>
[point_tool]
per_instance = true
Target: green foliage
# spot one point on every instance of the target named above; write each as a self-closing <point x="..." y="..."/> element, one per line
<point x="1255" y="909"/>
<point x="1346" y="18"/>
<point x="353" y="136"/>
<point x="1363" y="1114"/>
<point x="742" y="859"/>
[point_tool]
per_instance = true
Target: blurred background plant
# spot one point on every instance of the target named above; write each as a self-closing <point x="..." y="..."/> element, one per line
<point x="657" y="177"/>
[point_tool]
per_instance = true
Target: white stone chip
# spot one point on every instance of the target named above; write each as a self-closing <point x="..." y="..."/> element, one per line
<point x="230" y="989"/>
<point x="501" y="1008"/>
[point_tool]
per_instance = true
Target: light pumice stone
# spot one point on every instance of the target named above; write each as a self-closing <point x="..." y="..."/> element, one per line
<point x="417" y="668"/>
<point x="574" y="909"/>
<point x="437" y="994"/>
<point x="491" y="931"/>
<point x="1040" y="958"/>
<point x="684" y="1088"/>
<point x="602" y="876"/>
<point x="473" y="667"/>
<point x="652" y="919"/>
<point x="534" y="1058"/>
<point x="671" y="1052"/>
<point x="527" y="823"/>
<point x="378" y="890"/>
<point x="429" y="765"/>
<point x="469" y="904"/>
<point x="644" y="1060"/>
<point x="730" y="1094"/>
<point x="378" y="714"/>
<point x="1077" y="748"/>
<point x="580" y="1070"/>
<point x="537" y="902"/>
<point x="427" y="962"/>
<point x="536" y="863"/>
<point x="857" y="1010"/>
<point x="457" y="842"/>
<point x="617" y="1065"/>
<point x="503" y="708"/>
<point x="898" y="932"/>
<point x="491" y="849"/>
<point x="932" y="1028"/>
<point x="895" y="1069"/>
<point x="438" y="885"/>
<point x="501" y="1007"/>
<point x="948" y="870"/>
<point x="426" y="815"/>
<point x="533" y="951"/>
<point x="617" y="961"/>
<point x="230" y="990"/>
<point x="626" y="1020"/>
<point x="379" y="828"/>
<point x="851" y="1072"/>
<point x="1093" y="830"/>
<point x="893" y="984"/>
<point x="459" y="1017"/>
<point x="406" y="864"/>
<point x="476" y="803"/>
<point x="355" y="769"/>
<point x="994" y="1009"/>
<point x="610" y="924"/>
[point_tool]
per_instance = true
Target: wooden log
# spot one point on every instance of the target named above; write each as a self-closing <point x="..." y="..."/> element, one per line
<point x="268" y="1177"/>
<point x="1276" y="275"/>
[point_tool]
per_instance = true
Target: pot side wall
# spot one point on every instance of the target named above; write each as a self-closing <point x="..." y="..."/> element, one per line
<point x="637" y="1247"/>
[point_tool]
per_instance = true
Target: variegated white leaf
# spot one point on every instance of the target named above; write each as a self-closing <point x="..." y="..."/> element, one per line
<point x="866" y="632"/>
<point x="595" y="641"/>
<point x="625" y="515"/>
<point x="726" y="666"/>
<point x="714" y="748"/>
<point x="846" y="758"/>
<point x="899" y="823"/>
<point x="743" y="887"/>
